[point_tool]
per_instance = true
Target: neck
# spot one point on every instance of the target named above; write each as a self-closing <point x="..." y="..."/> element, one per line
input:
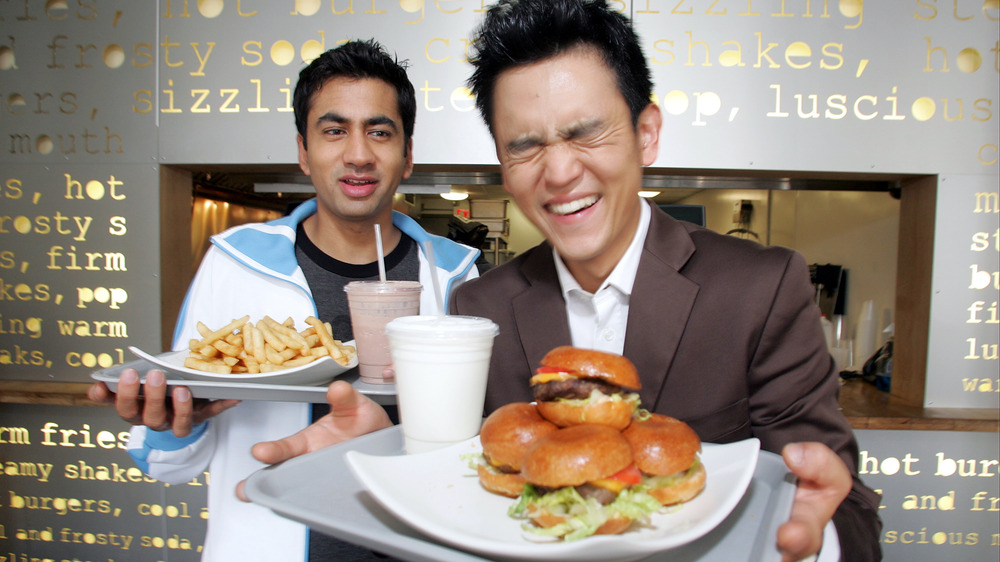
<point x="592" y="272"/>
<point x="351" y="242"/>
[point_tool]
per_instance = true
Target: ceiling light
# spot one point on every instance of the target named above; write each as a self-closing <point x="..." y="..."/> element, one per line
<point x="648" y="194"/>
<point x="455" y="195"/>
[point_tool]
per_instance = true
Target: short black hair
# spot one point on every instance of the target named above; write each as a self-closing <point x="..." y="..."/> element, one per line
<point x="355" y="59"/>
<point x="519" y="32"/>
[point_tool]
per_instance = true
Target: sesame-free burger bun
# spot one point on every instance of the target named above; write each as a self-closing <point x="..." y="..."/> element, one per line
<point x="664" y="446"/>
<point x="684" y="490"/>
<point x="616" y="414"/>
<point x="575" y="455"/>
<point x="589" y="363"/>
<point x="509" y="430"/>
<point x="505" y="436"/>
<point x="613" y="526"/>
<point x="509" y="484"/>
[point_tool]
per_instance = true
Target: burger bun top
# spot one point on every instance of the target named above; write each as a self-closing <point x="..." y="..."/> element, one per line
<point x="575" y="455"/>
<point x="589" y="363"/>
<point x="509" y="430"/>
<point x="662" y="445"/>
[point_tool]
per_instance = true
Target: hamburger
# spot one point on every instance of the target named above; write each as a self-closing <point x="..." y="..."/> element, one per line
<point x="505" y="437"/>
<point x="666" y="451"/>
<point x="580" y="484"/>
<point x="575" y="386"/>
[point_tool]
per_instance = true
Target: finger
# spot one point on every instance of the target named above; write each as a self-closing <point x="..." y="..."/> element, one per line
<point x="271" y="452"/>
<point x="344" y="399"/>
<point x="183" y="411"/>
<point x="127" y="402"/>
<point x="818" y="468"/>
<point x="796" y="541"/>
<point x="823" y="482"/>
<point x="100" y="393"/>
<point x="155" y="411"/>
<point x="240" y="493"/>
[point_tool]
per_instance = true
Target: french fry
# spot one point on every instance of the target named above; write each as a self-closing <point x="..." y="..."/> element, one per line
<point x="267" y="346"/>
<point x="225" y="331"/>
<point x="324" y="336"/>
<point x="270" y="337"/>
<point x="202" y="365"/>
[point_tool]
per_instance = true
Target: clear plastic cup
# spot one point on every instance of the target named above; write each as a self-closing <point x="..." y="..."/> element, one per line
<point x="373" y="304"/>
<point x="441" y="364"/>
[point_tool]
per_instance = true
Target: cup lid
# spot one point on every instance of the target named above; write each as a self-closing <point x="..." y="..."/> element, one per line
<point x="437" y="326"/>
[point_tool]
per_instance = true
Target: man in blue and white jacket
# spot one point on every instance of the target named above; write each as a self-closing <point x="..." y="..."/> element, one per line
<point x="355" y="110"/>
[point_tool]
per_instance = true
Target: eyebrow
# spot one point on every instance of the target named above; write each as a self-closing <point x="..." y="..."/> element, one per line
<point x="575" y="130"/>
<point x="523" y="142"/>
<point x="332" y="117"/>
<point x="579" y="129"/>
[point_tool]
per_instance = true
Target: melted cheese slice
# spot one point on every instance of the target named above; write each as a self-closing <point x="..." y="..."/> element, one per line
<point x="609" y="484"/>
<point x="541" y="378"/>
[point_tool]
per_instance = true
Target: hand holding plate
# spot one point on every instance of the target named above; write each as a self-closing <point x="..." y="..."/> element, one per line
<point x="152" y="407"/>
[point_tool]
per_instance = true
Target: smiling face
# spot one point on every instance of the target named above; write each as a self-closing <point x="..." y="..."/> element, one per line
<point x="572" y="159"/>
<point x="357" y="154"/>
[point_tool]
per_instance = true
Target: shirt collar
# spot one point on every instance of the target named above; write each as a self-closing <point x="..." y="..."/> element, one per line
<point x="623" y="275"/>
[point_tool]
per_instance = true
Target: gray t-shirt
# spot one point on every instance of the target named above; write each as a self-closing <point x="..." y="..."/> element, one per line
<point x="327" y="277"/>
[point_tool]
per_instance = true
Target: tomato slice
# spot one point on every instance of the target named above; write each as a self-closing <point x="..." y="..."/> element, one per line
<point x="629" y="475"/>
<point x="545" y="370"/>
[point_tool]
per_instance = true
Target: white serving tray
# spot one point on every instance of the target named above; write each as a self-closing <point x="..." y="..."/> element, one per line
<point x="320" y="491"/>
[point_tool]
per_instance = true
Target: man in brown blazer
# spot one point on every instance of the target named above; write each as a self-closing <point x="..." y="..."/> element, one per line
<point x="723" y="331"/>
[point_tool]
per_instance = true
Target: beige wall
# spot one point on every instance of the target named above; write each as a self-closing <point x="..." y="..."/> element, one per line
<point x="859" y="230"/>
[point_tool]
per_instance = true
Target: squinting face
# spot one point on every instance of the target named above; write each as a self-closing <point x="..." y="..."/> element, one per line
<point x="356" y="153"/>
<point x="571" y="157"/>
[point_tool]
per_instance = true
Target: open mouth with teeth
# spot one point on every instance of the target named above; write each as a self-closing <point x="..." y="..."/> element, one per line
<point x="572" y="206"/>
<point x="358" y="187"/>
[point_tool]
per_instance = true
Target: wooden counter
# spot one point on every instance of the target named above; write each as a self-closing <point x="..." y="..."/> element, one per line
<point x="864" y="406"/>
<point x="869" y="408"/>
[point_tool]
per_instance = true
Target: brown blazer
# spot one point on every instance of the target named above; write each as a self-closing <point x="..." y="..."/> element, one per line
<point x="724" y="334"/>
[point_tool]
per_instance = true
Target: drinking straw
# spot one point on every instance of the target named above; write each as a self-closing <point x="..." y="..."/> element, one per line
<point x="381" y="258"/>
<point x="429" y="250"/>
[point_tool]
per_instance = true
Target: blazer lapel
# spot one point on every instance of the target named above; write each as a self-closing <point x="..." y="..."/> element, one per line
<point x="661" y="302"/>
<point x="540" y="312"/>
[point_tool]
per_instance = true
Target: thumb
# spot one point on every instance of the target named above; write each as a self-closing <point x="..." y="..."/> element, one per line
<point x="344" y="399"/>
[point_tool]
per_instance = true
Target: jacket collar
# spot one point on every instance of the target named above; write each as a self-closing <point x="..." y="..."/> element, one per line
<point x="661" y="302"/>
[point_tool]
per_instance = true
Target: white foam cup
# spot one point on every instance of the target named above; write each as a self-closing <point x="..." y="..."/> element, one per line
<point x="441" y="365"/>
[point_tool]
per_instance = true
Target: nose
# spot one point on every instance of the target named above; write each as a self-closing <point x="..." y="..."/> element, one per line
<point x="358" y="153"/>
<point x="562" y="165"/>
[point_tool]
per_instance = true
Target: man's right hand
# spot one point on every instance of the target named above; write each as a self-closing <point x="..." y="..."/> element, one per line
<point x="153" y="408"/>
<point x="352" y="414"/>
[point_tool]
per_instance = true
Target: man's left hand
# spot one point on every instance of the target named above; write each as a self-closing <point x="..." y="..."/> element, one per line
<point x="823" y="482"/>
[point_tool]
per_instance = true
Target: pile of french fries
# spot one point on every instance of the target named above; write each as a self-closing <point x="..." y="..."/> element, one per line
<point x="242" y="347"/>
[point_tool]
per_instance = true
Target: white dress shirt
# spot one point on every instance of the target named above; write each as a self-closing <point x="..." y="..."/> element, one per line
<point x="598" y="320"/>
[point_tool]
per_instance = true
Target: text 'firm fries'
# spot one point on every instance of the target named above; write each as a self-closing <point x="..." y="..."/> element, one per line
<point x="242" y="347"/>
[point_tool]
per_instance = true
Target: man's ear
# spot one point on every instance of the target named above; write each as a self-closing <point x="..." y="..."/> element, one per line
<point x="408" y="164"/>
<point x="303" y="155"/>
<point x="648" y="131"/>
